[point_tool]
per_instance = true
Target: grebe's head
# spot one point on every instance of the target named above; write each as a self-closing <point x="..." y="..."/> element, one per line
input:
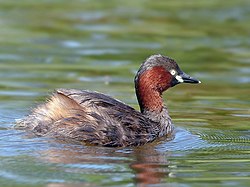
<point x="161" y="72"/>
<point x="157" y="74"/>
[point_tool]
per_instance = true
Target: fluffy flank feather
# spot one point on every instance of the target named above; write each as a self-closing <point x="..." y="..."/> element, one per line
<point x="59" y="106"/>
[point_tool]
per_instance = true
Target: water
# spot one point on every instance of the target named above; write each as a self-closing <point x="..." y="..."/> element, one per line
<point x="99" y="45"/>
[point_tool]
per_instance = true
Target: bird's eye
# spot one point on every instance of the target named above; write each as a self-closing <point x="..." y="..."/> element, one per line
<point x="173" y="72"/>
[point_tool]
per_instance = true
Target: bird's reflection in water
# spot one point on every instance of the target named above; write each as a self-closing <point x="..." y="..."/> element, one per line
<point x="143" y="165"/>
<point x="150" y="166"/>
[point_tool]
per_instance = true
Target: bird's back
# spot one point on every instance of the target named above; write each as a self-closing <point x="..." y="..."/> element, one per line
<point x="90" y="117"/>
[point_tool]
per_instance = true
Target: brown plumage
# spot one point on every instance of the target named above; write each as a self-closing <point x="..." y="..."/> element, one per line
<point x="97" y="119"/>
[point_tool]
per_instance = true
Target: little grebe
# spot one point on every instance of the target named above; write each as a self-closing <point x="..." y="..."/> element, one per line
<point x="97" y="119"/>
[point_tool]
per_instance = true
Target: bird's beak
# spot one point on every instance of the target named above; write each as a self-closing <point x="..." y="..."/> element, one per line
<point x="185" y="78"/>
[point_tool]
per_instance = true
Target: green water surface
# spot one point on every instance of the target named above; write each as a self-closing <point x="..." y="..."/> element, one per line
<point x="99" y="45"/>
